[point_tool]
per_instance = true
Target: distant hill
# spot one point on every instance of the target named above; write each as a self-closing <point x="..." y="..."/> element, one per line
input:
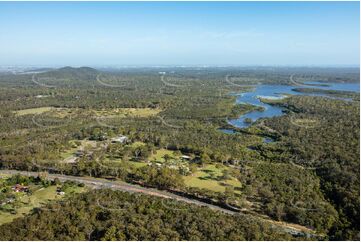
<point x="73" y="72"/>
<point x="67" y="76"/>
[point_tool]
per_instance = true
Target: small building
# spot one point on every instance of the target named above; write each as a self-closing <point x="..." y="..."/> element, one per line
<point x="120" y="139"/>
<point x="20" y="188"/>
<point x="59" y="191"/>
<point x="185" y="157"/>
<point x="41" y="96"/>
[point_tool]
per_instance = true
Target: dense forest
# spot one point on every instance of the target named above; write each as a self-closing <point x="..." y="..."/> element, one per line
<point x="329" y="146"/>
<point x="110" y="215"/>
<point x="308" y="176"/>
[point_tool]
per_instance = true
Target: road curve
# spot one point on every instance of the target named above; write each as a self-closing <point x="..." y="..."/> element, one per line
<point x="98" y="183"/>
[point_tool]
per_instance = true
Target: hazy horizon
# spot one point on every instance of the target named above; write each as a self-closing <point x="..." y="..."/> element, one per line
<point x="144" y="34"/>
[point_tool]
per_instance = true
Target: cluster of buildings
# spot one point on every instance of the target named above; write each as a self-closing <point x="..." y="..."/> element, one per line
<point x="121" y="139"/>
<point x="20" y="188"/>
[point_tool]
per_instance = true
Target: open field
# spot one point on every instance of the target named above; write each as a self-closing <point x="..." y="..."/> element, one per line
<point x="128" y="112"/>
<point x="69" y="153"/>
<point x="209" y="177"/>
<point x="158" y="156"/>
<point x="137" y="164"/>
<point x="77" y="145"/>
<point x="33" y="111"/>
<point x="137" y="144"/>
<point x="51" y="111"/>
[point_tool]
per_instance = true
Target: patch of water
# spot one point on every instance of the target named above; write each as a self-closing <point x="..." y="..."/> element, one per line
<point x="278" y="92"/>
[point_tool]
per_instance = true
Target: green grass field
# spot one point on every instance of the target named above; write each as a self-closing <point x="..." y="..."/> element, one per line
<point x="52" y="111"/>
<point x="68" y="153"/>
<point x="134" y="164"/>
<point x="209" y="177"/>
<point x="128" y="112"/>
<point x="33" y="111"/>
<point x="137" y="164"/>
<point x="158" y="156"/>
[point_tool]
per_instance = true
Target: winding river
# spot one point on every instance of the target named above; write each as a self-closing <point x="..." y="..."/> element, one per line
<point x="277" y="92"/>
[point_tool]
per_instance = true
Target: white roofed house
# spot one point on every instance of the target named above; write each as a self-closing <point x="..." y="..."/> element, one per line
<point x="186" y="157"/>
<point x="120" y="139"/>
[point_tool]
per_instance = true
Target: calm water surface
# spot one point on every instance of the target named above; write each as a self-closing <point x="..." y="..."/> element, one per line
<point x="276" y="91"/>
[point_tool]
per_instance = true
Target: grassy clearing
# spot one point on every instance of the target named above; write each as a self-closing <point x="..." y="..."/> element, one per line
<point x="134" y="164"/>
<point x="33" y="111"/>
<point x="52" y="111"/>
<point x="210" y="177"/>
<point x="158" y="156"/>
<point x="68" y="153"/>
<point x="128" y="112"/>
<point x="64" y="112"/>
<point x="78" y="145"/>
<point x="137" y="144"/>
<point x="137" y="164"/>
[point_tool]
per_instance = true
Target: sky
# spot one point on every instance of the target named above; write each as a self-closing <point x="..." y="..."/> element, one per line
<point x="180" y="33"/>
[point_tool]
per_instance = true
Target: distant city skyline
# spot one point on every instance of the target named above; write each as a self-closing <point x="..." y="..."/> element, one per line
<point x="179" y="33"/>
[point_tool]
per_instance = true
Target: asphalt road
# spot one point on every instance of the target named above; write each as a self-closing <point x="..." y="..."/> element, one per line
<point x="98" y="183"/>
